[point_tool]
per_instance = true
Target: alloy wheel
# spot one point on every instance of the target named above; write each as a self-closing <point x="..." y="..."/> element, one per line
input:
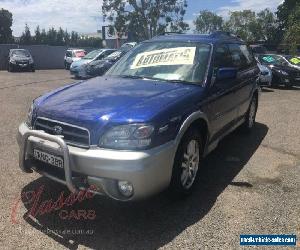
<point x="190" y="164"/>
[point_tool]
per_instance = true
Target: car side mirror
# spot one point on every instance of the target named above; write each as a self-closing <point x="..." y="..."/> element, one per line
<point x="226" y="73"/>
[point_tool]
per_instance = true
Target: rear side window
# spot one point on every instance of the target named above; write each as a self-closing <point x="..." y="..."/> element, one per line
<point x="241" y="57"/>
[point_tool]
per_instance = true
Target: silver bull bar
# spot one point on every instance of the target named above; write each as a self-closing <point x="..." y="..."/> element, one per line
<point x="63" y="147"/>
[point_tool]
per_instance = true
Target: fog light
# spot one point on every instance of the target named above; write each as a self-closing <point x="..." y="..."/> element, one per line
<point x="125" y="188"/>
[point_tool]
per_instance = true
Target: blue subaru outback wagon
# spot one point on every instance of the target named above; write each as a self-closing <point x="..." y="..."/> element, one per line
<point x="146" y="124"/>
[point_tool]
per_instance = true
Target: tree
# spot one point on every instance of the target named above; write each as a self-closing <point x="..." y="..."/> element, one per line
<point x="26" y="36"/>
<point x="66" y="37"/>
<point x="284" y="11"/>
<point x="148" y="17"/>
<point x="6" y="20"/>
<point x="292" y="33"/>
<point x="60" y="37"/>
<point x="268" y="26"/>
<point x="38" y="35"/>
<point x="74" y="38"/>
<point x="44" y="37"/>
<point x="52" y="36"/>
<point x="208" y="22"/>
<point x="244" y="24"/>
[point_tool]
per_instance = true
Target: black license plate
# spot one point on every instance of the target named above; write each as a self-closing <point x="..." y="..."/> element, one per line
<point x="53" y="160"/>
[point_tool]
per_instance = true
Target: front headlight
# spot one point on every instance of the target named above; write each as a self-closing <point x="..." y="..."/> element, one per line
<point x="30" y="61"/>
<point x="30" y="116"/>
<point x="13" y="61"/>
<point x="132" y="136"/>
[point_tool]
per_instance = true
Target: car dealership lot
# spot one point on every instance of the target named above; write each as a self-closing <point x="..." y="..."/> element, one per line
<point x="249" y="185"/>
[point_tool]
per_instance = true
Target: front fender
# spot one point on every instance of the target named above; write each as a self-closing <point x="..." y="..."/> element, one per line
<point x="188" y="122"/>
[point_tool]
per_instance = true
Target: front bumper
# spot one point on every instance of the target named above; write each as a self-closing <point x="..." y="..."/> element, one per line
<point x="265" y="80"/>
<point x="148" y="171"/>
<point x="74" y="71"/>
<point x="22" y="66"/>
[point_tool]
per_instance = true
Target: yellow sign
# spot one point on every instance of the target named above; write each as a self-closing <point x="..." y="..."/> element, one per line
<point x="173" y="56"/>
<point x="295" y="60"/>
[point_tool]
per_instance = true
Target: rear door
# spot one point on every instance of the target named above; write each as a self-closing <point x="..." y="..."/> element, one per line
<point x="223" y="102"/>
<point x="248" y="74"/>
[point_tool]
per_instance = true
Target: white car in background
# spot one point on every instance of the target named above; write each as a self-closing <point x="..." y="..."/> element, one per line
<point x="73" y="55"/>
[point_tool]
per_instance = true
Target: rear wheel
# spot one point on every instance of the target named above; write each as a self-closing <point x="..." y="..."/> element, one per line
<point x="186" y="164"/>
<point x="250" y="116"/>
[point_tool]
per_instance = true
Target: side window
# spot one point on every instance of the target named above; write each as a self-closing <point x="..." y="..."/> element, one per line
<point x="241" y="57"/>
<point x="103" y="55"/>
<point x="222" y="57"/>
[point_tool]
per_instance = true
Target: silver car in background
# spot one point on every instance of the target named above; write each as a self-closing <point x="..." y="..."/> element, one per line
<point x="90" y="57"/>
<point x="265" y="78"/>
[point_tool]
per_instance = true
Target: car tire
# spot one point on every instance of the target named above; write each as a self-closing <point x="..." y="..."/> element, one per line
<point x="10" y="68"/>
<point x="249" y="123"/>
<point x="186" y="164"/>
<point x="66" y="66"/>
<point x="288" y="85"/>
<point x="33" y="70"/>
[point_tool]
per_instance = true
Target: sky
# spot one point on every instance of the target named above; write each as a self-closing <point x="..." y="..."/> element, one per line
<point x="84" y="16"/>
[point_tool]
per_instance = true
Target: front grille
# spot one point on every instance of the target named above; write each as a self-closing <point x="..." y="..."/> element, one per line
<point x="22" y="62"/>
<point x="73" y="135"/>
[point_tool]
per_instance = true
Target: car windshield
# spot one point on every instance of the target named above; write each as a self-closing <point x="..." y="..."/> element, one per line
<point x="272" y="60"/>
<point x="293" y="60"/>
<point x="21" y="53"/>
<point x="92" y="54"/>
<point x="114" y="55"/>
<point x="169" y="61"/>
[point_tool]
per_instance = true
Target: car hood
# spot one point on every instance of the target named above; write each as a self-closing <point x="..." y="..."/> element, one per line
<point x="98" y="63"/>
<point x="80" y="62"/>
<point x="95" y="103"/>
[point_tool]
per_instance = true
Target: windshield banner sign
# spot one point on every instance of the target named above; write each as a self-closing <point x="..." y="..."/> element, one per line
<point x="172" y="56"/>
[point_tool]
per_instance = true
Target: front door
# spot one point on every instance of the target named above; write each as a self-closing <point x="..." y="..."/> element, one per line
<point x="222" y="101"/>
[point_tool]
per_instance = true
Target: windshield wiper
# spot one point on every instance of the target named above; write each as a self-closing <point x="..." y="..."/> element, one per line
<point x="132" y="76"/>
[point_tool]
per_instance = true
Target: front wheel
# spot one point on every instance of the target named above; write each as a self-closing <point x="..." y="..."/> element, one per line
<point x="10" y="68"/>
<point x="186" y="164"/>
<point x="67" y="66"/>
<point x="250" y="116"/>
<point x="288" y="85"/>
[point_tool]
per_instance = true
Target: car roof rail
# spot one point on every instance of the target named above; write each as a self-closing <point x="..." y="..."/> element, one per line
<point x="224" y="34"/>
